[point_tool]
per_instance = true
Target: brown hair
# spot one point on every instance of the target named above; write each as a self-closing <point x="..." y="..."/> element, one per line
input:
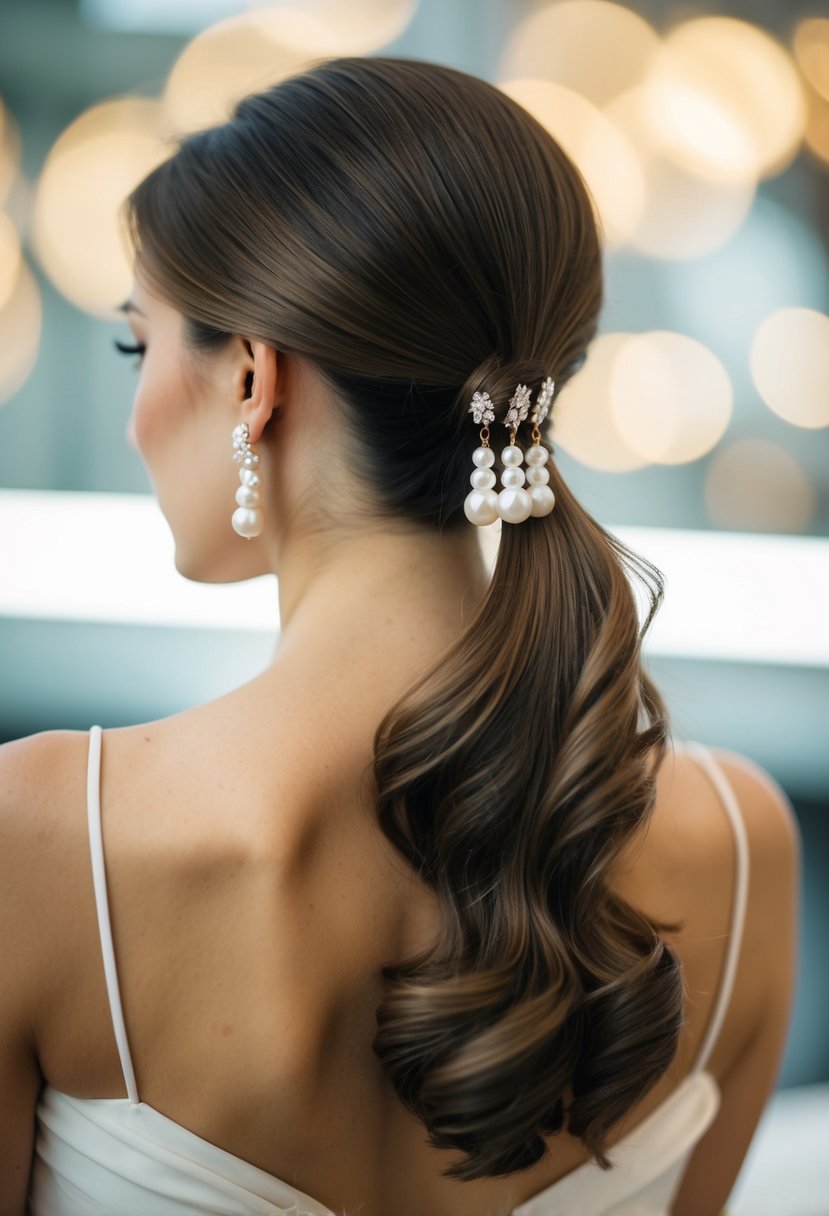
<point x="418" y="236"/>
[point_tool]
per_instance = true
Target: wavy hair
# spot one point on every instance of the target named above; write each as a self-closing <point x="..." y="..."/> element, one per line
<point x="418" y="236"/>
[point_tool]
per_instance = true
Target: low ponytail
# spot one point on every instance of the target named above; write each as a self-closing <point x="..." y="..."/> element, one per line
<point x="511" y="776"/>
<point x="416" y="235"/>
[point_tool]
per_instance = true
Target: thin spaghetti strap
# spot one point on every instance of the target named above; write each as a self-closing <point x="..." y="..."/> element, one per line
<point x="738" y="907"/>
<point x="99" y="882"/>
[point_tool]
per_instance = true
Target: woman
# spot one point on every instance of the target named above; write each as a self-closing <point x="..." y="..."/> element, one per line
<point x="428" y="918"/>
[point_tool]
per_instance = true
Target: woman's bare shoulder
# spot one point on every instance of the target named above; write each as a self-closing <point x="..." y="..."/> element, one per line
<point x="775" y="873"/>
<point x="35" y="772"/>
<point x="43" y="847"/>
<point x="770" y="818"/>
<point x="689" y="823"/>
<point x="705" y="835"/>
<point x="683" y="869"/>
<point x="32" y="838"/>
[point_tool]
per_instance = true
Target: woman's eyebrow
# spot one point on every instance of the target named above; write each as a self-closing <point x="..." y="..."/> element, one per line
<point x="128" y="306"/>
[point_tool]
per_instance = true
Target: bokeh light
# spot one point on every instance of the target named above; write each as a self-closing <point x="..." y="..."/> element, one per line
<point x="9" y="152"/>
<point x="776" y="257"/>
<point x="696" y="130"/>
<point x="593" y="47"/>
<point x="584" y="425"/>
<point x="671" y="398"/>
<point x="754" y="484"/>
<point x="686" y="214"/>
<point x="93" y="165"/>
<point x="817" y="126"/>
<point x="811" y="50"/>
<point x="728" y="98"/>
<point x="224" y="63"/>
<point x="329" y="27"/>
<point x="10" y="257"/>
<point x="604" y="155"/>
<point x="21" y="319"/>
<point x="790" y="365"/>
<point x="254" y="50"/>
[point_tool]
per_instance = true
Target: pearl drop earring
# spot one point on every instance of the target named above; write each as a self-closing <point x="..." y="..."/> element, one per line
<point x="247" y="518"/>
<point x="538" y="476"/>
<point x="514" y="502"/>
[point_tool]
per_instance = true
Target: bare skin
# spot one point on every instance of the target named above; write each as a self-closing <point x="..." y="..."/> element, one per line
<point x="254" y="898"/>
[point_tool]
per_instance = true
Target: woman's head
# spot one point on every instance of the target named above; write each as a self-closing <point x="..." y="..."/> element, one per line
<point x="401" y="235"/>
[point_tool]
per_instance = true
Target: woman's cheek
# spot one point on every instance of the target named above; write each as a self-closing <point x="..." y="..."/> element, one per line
<point x="144" y="420"/>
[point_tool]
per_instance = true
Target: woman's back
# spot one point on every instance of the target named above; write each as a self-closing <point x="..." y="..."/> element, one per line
<point x="254" y="901"/>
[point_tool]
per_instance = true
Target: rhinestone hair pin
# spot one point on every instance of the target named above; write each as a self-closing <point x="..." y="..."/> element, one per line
<point x="544" y="401"/>
<point x="519" y="407"/>
<point x="481" y="409"/>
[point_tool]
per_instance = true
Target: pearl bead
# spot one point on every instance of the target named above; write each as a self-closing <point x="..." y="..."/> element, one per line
<point x="483" y="457"/>
<point x="481" y="507"/>
<point x="250" y="460"/>
<point x="543" y="500"/>
<point x="511" y="478"/>
<point x="514" y="505"/>
<point x="512" y="456"/>
<point x="246" y="496"/>
<point x="247" y="522"/>
<point x="536" y="455"/>
<point x="249" y="478"/>
<point x="482" y="479"/>
<point x="537" y="475"/>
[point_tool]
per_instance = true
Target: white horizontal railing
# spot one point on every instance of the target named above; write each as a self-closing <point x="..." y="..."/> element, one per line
<point x="732" y="596"/>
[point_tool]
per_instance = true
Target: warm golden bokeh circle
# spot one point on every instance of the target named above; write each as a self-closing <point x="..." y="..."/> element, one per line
<point x="21" y="319"/>
<point x="77" y="234"/>
<point x="253" y="50"/>
<point x="10" y="258"/>
<point x="223" y="64"/>
<point x="9" y="153"/>
<point x="686" y="213"/>
<point x="817" y="126"/>
<point x="583" y="423"/>
<point x="712" y="65"/>
<point x="811" y="50"/>
<point x="790" y="365"/>
<point x="602" y="152"/>
<point x="753" y="484"/>
<point x="593" y="47"/>
<point x="329" y="27"/>
<point x="641" y="399"/>
<point x="670" y="397"/>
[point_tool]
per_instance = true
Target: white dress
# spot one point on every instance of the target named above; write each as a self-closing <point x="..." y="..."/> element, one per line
<point x="121" y="1157"/>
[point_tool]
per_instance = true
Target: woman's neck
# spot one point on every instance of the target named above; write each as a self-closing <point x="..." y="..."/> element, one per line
<point x="378" y="578"/>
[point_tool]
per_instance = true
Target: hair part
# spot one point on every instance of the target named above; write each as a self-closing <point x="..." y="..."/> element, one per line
<point x="418" y="236"/>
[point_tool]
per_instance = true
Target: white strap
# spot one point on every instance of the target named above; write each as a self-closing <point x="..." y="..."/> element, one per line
<point x="738" y="907"/>
<point x="96" y="848"/>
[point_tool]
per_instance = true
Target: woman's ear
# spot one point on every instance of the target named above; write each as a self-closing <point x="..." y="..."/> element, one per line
<point x="259" y="378"/>
<point x="249" y="374"/>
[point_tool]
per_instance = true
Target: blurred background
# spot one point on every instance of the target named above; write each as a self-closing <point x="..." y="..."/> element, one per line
<point x="698" y="429"/>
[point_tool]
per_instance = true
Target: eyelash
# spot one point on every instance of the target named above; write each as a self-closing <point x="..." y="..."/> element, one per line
<point x="125" y="349"/>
